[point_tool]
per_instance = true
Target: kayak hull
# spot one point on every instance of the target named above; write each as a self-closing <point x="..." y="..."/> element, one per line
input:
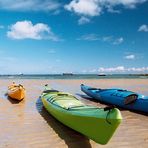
<point x="16" y="92"/>
<point x="95" y="123"/>
<point x="118" y="97"/>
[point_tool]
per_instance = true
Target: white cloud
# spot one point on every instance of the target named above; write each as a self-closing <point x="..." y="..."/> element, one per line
<point x="89" y="37"/>
<point x="84" y="7"/>
<point x="118" y="41"/>
<point x="121" y="69"/>
<point x="139" y="69"/>
<point x="29" y="5"/>
<point x="26" y="30"/>
<point x="93" y="71"/>
<point x="96" y="7"/>
<point x="125" y="3"/>
<point x="83" y="20"/>
<point x="112" y="69"/>
<point x="95" y="37"/>
<point x="143" y="28"/>
<point x="107" y="38"/>
<point x="112" y="10"/>
<point x="130" y="57"/>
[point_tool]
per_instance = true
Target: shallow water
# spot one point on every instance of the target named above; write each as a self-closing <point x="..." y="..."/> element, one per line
<point x="73" y="76"/>
<point x="27" y="124"/>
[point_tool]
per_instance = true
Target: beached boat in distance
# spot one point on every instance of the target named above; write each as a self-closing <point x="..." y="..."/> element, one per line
<point x="67" y="74"/>
<point x="123" y="98"/>
<point x="101" y="75"/>
<point x="139" y="74"/>
<point x="97" y="124"/>
<point x="16" y="91"/>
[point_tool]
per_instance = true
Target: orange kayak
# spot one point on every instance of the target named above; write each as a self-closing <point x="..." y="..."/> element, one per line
<point x="16" y="91"/>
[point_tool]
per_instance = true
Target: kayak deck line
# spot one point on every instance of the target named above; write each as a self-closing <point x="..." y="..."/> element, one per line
<point x="96" y="123"/>
<point x="16" y="91"/>
<point x="119" y="97"/>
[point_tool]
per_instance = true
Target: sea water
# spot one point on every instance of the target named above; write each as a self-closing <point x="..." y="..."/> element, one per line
<point x="74" y="76"/>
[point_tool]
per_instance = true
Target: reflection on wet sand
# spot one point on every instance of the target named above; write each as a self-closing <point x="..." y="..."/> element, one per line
<point x="26" y="124"/>
<point x="14" y="101"/>
<point x="72" y="138"/>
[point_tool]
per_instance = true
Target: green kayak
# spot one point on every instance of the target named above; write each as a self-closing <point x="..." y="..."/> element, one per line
<point x="97" y="124"/>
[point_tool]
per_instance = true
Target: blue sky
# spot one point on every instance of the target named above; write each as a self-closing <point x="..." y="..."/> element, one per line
<point x="79" y="36"/>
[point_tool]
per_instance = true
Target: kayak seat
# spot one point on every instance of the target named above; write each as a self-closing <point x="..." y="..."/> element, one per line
<point x="121" y="90"/>
<point x="65" y="100"/>
<point x="50" y="91"/>
<point x="61" y="96"/>
<point x="130" y="99"/>
<point x="13" y="88"/>
<point x="94" y="88"/>
<point x="68" y="104"/>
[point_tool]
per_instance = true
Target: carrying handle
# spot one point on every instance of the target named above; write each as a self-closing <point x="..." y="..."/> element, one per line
<point x="109" y="107"/>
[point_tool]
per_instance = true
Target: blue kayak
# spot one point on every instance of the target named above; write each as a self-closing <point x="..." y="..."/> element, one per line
<point x="120" y="97"/>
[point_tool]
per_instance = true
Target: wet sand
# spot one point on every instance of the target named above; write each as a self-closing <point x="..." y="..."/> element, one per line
<point x="27" y="124"/>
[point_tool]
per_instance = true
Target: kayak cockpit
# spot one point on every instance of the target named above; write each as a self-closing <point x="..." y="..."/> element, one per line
<point x="68" y="104"/>
<point x="130" y="99"/>
<point x="64" y="100"/>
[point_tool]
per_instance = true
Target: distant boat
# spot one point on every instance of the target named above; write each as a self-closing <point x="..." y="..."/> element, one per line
<point x="145" y="74"/>
<point x="67" y="74"/>
<point x="20" y="74"/>
<point x="140" y="74"/>
<point x="101" y="75"/>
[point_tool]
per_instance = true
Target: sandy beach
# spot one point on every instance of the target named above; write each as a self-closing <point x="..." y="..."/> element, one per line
<point x="27" y="124"/>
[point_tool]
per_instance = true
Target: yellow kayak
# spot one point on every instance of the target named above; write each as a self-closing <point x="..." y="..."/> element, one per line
<point x="16" y="91"/>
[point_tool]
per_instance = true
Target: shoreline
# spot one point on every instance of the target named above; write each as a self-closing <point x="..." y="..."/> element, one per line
<point x="74" y="76"/>
<point x="27" y="124"/>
